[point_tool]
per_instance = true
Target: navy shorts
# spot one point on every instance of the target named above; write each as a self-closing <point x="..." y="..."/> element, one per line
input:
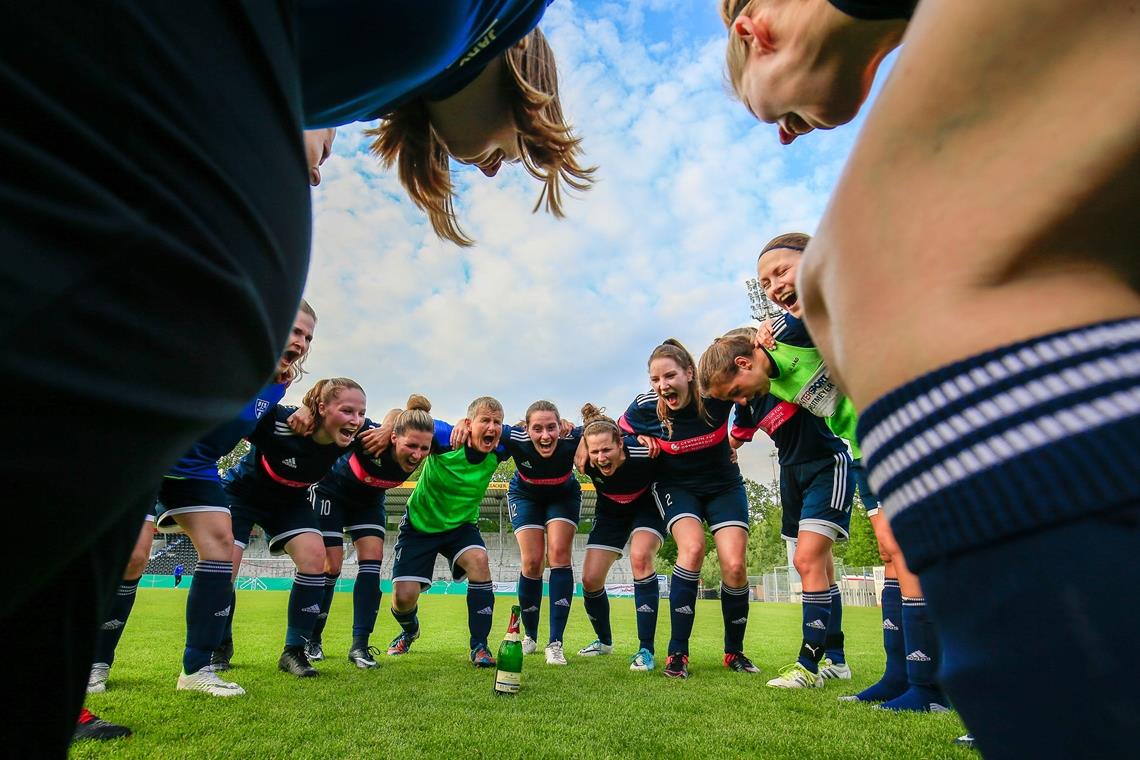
<point x="180" y="496"/>
<point x="531" y="510"/>
<point x="338" y="514"/>
<point x="282" y="519"/>
<point x="870" y="500"/>
<point x="723" y="509"/>
<point x="414" y="556"/>
<point x="817" y="497"/>
<point x="614" y="524"/>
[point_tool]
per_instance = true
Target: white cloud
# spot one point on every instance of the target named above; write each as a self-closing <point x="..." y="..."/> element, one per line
<point x="689" y="188"/>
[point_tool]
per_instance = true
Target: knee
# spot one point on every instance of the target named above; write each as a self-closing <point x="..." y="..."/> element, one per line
<point x="333" y="564"/>
<point x="310" y="560"/>
<point x="732" y="572"/>
<point x="137" y="563"/>
<point x="691" y="556"/>
<point x="404" y="600"/>
<point x="558" y="557"/>
<point x="532" y="567"/>
<point x="592" y="580"/>
<point x="215" y="545"/>
<point x="641" y="563"/>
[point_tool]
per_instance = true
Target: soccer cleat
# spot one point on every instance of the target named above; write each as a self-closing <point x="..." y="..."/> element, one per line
<point x="829" y="670"/>
<point x="738" y="663"/>
<point x="97" y="681"/>
<point x="314" y="651"/>
<point x="363" y="657"/>
<point x="554" y="654"/>
<point x="966" y="740"/>
<point x="796" y="676"/>
<point x="206" y="680"/>
<point x="917" y="699"/>
<point x="220" y="659"/>
<point x="481" y="657"/>
<point x="595" y="648"/>
<point x="530" y="646"/>
<point x="677" y="666"/>
<point x="642" y="661"/>
<point x="402" y="643"/>
<point x="91" y="726"/>
<point x="293" y="661"/>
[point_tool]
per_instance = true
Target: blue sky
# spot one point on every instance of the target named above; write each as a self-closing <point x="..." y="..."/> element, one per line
<point x="690" y="187"/>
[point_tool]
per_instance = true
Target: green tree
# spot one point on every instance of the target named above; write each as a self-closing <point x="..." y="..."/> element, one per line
<point x="860" y="549"/>
<point x="504" y="472"/>
<point x="710" y="570"/>
<point x="231" y="459"/>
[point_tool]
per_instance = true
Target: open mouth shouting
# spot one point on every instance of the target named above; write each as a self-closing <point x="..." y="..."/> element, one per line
<point x="671" y="398"/>
<point x="345" y="434"/>
<point x="787" y="298"/>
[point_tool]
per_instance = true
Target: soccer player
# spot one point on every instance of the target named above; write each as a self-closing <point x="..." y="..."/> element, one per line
<point x="350" y="499"/>
<point x="179" y="569"/>
<point x="268" y="488"/>
<point x="622" y="471"/>
<point x="698" y="483"/>
<point x="970" y="193"/>
<point x="443" y="518"/>
<point x="191" y="501"/>
<point x="910" y="681"/>
<point x="816" y="488"/>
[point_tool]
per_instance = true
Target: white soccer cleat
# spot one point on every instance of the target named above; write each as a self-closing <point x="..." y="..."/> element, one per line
<point x="595" y="648"/>
<point x="97" y="681"/>
<point x="829" y="670"/>
<point x="530" y="646"/>
<point x="796" y="676"/>
<point x="207" y="681"/>
<point x="554" y="654"/>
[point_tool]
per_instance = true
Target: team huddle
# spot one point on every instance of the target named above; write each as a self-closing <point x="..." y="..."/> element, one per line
<point x="971" y="289"/>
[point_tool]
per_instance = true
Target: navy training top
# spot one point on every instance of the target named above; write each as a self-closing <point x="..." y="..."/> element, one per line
<point x="799" y="436"/>
<point x="696" y="456"/>
<point x="201" y="461"/>
<point x="362" y="59"/>
<point x="629" y="482"/>
<point x="536" y="475"/>
<point x="359" y="476"/>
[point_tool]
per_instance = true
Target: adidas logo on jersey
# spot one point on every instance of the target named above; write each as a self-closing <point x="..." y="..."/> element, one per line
<point x="112" y="625"/>
<point x="531" y="608"/>
<point x="740" y="621"/>
<point x="485" y="611"/>
<point x="290" y="462"/>
<point x="645" y="608"/>
<point x="525" y="463"/>
<point x="817" y="624"/>
<point x="315" y="609"/>
<point x="888" y="625"/>
<point x="918" y="656"/>
<point x="686" y="610"/>
<point x="223" y="613"/>
<point x="563" y="602"/>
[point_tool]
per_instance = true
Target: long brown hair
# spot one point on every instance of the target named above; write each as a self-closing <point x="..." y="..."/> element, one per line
<point x="547" y="146"/>
<point x="594" y="420"/>
<point x="671" y="348"/>
<point x="323" y="392"/>
<point x="718" y="362"/>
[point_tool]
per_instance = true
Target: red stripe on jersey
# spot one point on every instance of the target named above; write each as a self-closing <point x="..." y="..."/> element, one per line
<point x="358" y="470"/>
<point x="277" y="478"/>
<point x="782" y="412"/>
<point x="544" y="481"/>
<point x="624" y="498"/>
<point x="687" y="445"/>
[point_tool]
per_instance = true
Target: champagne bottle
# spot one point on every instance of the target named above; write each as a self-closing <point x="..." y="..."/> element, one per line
<point x="508" y="676"/>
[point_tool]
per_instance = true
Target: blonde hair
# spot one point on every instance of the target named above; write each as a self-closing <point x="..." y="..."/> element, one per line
<point x="718" y="362"/>
<point x="297" y="369"/>
<point x="415" y="416"/>
<point x="671" y="348"/>
<point x="594" y="420"/>
<point x="324" y="391"/>
<point x="547" y="146"/>
<point x="541" y="406"/>
<point x="736" y="51"/>
<point x="489" y="403"/>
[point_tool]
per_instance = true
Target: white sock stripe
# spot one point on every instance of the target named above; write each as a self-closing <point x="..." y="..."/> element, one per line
<point x="734" y="590"/>
<point x="688" y="575"/>
<point x="1017" y="401"/>
<point x="1012" y="443"/>
<point x="1001" y="368"/>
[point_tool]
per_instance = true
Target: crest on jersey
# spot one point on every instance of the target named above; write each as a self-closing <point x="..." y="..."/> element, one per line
<point x="260" y="407"/>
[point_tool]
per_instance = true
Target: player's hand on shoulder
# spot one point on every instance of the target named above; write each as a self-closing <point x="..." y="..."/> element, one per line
<point x="376" y="440"/>
<point x="581" y="455"/>
<point x="764" y="337"/>
<point x="650" y="443"/>
<point x="566" y="427"/>
<point x="301" y="421"/>
<point x="318" y="147"/>
<point x="460" y="434"/>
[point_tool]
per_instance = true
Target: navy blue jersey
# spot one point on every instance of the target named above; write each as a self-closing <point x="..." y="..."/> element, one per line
<point x="696" y="456"/>
<point x="789" y="329"/>
<point x="629" y="481"/>
<point x="362" y="59"/>
<point x="876" y="10"/>
<point x="799" y="436"/>
<point x="360" y="476"/>
<point x="535" y="473"/>
<point x="280" y="462"/>
<point x="201" y="462"/>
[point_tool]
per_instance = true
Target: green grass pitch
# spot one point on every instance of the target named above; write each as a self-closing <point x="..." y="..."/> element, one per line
<point x="433" y="703"/>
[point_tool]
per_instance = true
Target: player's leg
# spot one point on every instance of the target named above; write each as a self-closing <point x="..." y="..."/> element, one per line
<point x="644" y="544"/>
<point x="469" y="559"/>
<point x="334" y="558"/>
<point x="528" y="522"/>
<point x="560" y="532"/>
<point x="595" y="567"/>
<point x="365" y="595"/>
<point x="307" y="550"/>
<point x="111" y="629"/>
<point x="727" y="515"/>
<point x="412" y="567"/>
<point x="682" y="514"/>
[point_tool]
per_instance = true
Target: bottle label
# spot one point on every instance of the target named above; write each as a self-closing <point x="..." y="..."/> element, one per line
<point x="507" y="682"/>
